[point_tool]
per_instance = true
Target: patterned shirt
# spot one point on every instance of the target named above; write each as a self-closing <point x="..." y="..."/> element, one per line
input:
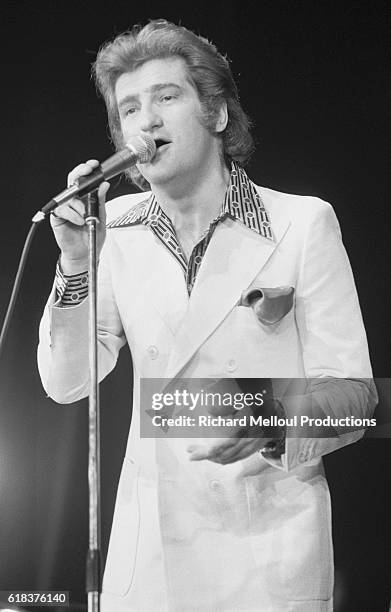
<point x="242" y="202"/>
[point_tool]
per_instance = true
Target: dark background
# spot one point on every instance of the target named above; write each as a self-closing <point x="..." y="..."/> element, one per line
<point x="314" y="77"/>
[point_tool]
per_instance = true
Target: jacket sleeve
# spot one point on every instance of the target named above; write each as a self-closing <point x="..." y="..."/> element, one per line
<point x="63" y="340"/>
<point x="338" y="381"/>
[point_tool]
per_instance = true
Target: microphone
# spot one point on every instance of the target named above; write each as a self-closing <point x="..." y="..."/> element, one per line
<point x="140" y="149"/>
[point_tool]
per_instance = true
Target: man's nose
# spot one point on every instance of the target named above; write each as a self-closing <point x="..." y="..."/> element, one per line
<point x="150" y="119"/>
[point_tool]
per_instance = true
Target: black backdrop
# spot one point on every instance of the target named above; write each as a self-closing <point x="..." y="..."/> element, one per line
<point x="314" y="78"/>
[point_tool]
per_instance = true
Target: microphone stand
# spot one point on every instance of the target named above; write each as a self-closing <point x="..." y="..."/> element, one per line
<point x="93" y="566"/>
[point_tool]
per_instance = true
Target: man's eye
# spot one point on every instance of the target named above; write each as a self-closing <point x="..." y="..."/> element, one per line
<point x="167" y="98"/>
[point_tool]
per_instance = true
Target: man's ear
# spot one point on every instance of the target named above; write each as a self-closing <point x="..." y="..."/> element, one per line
<point x="222" y="117"/>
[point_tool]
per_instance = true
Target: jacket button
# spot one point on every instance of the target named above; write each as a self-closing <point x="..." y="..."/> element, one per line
<point x="215" y="485"/>
<point x="153" y="352"/>
<point x="231" y="365"/>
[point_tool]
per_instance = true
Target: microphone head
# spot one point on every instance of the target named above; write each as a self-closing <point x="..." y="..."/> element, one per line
<point x="143" y="146"/>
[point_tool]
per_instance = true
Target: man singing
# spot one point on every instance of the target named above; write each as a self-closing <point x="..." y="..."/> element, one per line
<point x="207" y="275"/>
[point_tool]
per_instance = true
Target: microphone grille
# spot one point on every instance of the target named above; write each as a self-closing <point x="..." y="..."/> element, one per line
<point x="144" y="147"/>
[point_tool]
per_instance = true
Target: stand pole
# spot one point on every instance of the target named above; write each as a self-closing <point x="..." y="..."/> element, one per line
<point x="93" y="574"/>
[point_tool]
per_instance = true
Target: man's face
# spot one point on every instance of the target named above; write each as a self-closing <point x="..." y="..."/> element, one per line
<point x="158" y="99"/>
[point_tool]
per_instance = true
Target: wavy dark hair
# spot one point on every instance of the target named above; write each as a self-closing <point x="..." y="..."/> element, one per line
<point x="207" y="70"/>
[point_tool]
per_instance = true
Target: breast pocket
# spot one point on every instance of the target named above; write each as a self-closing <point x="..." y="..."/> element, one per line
<point x="124" y="536"/>
<point x="244" y="323"/>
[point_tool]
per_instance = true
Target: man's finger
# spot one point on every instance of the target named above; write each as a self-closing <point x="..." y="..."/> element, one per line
<point x="82" y="170"/>
<point x="102" y="192"/>
<point x="198" y="452"/>
<point x="73" y="213"/>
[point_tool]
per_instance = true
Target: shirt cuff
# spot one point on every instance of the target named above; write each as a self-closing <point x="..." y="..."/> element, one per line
<point x="71" y="289"/>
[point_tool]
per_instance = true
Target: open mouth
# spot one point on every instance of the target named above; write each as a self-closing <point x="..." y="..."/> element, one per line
<point x="159" y="142"/>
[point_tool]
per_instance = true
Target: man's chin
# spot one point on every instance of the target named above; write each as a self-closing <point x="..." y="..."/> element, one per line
<point x="158" y="176"/>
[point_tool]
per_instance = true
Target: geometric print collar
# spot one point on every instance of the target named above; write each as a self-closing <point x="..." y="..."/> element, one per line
<point x="242" y="202"/>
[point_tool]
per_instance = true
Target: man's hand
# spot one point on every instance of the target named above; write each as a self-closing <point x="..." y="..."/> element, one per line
<point x="69" y="225"/>
<point x="243" y="441"/>
<point x="227" y="450"/>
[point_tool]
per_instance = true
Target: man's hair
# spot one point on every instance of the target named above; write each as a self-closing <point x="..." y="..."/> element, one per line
<point x="207" y="70"/>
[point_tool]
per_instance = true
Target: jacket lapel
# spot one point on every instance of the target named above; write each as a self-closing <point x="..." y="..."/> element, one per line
<point x="153" y="281"/>
<point x="233" y="259"/>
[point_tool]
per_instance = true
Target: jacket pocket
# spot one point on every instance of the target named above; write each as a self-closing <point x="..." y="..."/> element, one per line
<point x="270" y="305"/>
<point x="122" y="552"/>
<point x="291" y="528"/>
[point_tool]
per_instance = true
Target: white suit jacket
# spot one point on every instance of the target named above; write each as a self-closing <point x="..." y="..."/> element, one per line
<point x="255" y="534"/>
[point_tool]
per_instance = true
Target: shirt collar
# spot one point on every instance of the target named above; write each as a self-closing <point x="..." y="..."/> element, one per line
<point x="242" y="202"/>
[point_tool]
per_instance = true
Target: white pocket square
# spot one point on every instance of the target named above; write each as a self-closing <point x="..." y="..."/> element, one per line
<point x="270" y="304"/>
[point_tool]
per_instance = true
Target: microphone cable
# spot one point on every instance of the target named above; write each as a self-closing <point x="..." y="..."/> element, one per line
<point x="18" y="278"/>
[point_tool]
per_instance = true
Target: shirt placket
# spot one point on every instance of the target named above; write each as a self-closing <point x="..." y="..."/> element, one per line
<point x="197" y="255"/>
